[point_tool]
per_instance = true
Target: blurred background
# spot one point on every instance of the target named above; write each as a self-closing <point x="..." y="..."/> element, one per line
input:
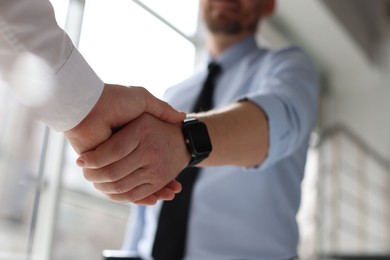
<point x="49" y="212"/>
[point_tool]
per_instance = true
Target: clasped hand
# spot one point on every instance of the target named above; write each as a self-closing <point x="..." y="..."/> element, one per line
<point x="140" y="161"/>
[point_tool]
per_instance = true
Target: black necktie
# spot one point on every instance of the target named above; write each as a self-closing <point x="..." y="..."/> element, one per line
<point x="171" y="233"/>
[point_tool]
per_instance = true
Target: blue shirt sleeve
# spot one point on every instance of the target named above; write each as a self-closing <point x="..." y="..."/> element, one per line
<point x="288" y="94"/>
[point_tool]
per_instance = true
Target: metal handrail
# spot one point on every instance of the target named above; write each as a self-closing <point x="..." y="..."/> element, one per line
<point x="352" y="171"/>
<point x="352" y="136"/>
<point x="164" y="21"/>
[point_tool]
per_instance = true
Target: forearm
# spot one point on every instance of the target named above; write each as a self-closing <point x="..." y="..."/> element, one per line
<point x="146" y="154"/>
<point x="239" y="135"/>
<point x="42" y="66"/>
<point x="30" y="26"/>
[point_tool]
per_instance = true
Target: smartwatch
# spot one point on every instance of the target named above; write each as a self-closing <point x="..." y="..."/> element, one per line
<point x="197" y="140"/>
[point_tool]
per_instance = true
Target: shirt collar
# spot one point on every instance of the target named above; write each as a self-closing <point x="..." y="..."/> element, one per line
<point x="236" y="52"/>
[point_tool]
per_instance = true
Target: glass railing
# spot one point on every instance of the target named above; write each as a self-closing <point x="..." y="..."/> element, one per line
<point x="352" y="210"/>
<point x="47" y="210"/>
<point x="21" y="141"/>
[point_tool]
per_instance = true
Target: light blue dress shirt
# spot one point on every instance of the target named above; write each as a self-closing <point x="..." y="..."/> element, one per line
<point x="248" y="213"/>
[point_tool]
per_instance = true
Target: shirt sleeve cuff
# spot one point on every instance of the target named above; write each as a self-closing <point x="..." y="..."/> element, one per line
<point x="278" y="127"/>
<point x="75" y="93"/>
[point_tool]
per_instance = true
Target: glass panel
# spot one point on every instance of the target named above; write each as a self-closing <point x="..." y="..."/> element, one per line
<point x="20" y="146"/>
<point x="87" y="222"/>
<point x="21" y="139"/>
<point x="181" y="14"/>
<point x="125" y="45"/>
<point x="61" y="11"/>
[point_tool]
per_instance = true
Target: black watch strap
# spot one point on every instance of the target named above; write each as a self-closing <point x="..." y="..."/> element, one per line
<point x="197" y="140"/>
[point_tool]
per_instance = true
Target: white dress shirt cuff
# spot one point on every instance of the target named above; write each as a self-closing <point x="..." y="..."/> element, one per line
<point x="76" y="90"/>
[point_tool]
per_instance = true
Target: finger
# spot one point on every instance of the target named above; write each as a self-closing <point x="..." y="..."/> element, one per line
<point x="136" y="194"/>
<point x="165" y="194"/>
<point x="112" y="150"/>
<point x="169" y="191"/>
<point x="123" y="185"/>
<point x="118" y="170"/>
<point x="113" y="172"/>
<point x="162" y="110"/>
<point x="148" y="201"/>
<point x="175" y="186"/>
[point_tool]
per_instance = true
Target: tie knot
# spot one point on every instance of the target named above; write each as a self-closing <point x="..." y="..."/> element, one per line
<point x="214" y="68"/>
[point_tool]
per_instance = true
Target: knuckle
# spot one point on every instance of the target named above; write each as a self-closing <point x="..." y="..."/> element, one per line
<point x="152" y="176"/>
<point x="98" y="187"/>
<point x="87" y="174"/>
<point x="107" y="174"/>
<point x="151" y="200"/>
<point x="120" y="149"/>
<point x="129" y="197"/>
<point x="112" y="197"/>
<point x="90" y="158"/>
<point x="110" y="175"/>
<point x="143" y="91"/>
<point x="117" y="187"/>
<point x="145" y="126"/>
<point x="118" y="146"/>
<point x="155" y="153"/>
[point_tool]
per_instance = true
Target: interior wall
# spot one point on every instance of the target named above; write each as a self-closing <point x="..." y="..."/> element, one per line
<point x="364" y="20"/>
<point x="354" y="62"/>
<point x="362" y="102"/>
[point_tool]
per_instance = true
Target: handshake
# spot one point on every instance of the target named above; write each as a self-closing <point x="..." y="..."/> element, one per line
<point x="131" y="146"/>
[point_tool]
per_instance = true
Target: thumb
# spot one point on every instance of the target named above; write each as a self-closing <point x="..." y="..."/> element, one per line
<point x="163" y="110"/>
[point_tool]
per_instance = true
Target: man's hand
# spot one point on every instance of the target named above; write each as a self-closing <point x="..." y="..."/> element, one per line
<point x="117" y="106"/>
<point x="138" y="161"/>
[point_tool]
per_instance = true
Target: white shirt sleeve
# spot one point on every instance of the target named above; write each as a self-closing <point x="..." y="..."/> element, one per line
<point x="42" y="66"/>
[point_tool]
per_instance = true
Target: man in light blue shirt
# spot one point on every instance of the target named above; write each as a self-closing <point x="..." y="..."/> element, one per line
<point x="249" y="212"/>
<point x="245" y="200"/>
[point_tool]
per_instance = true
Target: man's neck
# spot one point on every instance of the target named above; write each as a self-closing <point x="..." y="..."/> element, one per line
<point x="218" y="43"/>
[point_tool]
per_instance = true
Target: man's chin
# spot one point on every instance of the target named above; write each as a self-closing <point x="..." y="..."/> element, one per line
<point x="224" y="27"/>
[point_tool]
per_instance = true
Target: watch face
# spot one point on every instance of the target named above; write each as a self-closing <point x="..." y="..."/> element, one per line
<point x="200" y="138"/>
<point x="197" y="140"/>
